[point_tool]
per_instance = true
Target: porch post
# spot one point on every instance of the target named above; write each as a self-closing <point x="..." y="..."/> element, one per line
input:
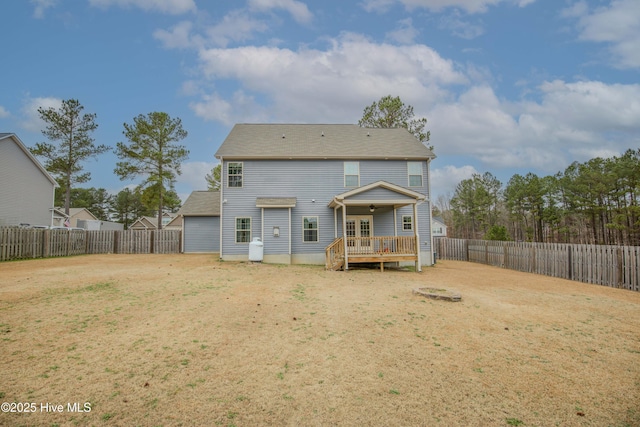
<point x="417" y="236"/>
<point x="344" y="236"/>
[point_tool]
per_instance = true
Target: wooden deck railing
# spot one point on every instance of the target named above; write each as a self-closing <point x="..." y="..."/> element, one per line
<point x="335" y="255"/>
<point x="382" y="245"/>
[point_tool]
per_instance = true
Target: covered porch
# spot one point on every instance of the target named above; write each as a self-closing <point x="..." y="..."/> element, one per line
<point x="358" y="210"/>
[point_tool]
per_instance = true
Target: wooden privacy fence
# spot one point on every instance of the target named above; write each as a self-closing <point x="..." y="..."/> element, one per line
<point x="615" y="266"/>
<point x="22" y="243"/>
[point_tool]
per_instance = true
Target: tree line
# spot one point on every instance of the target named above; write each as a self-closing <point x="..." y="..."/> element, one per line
<point x="151" y="153"/>
<point x="594" y="202"/>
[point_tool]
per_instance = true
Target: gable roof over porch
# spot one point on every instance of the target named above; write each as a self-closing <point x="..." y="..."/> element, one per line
<point x="380" y="193"/>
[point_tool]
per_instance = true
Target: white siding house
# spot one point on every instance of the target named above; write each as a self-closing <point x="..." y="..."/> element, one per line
<point x="439" y="227"/>
<point x="26" y="188"/>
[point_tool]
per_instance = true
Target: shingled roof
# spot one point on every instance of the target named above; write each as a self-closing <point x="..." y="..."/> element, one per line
<point x="201" y="203"/>
<point x="320" y="141"/>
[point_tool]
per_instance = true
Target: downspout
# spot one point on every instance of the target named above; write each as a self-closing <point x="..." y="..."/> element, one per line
<point x="395" y="221"/>
<point x="430" y="212"/>
<point x="221" y="200"/>
<point x="417" y="237"/>
<point x="262" y="225"/>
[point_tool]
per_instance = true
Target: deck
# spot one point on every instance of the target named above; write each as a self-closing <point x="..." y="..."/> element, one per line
<point x="375" y="249"/>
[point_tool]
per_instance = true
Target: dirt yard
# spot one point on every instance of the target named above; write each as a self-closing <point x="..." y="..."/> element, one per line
<point x="171" y="340"/>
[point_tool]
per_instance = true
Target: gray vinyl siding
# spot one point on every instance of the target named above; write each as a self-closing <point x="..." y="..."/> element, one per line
<point x="276" y="217"/>
<point x="314" y="183"/>
<point x="379" y="193"/>
<point x="201" y="234"/>
<point x="26" y="194"/>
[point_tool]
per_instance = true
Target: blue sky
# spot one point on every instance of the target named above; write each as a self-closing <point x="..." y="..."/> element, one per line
<point x="508" y="86"/>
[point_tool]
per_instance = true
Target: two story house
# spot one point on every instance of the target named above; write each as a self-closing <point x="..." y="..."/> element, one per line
<point x="26" y="188"/>
<point x="325" y="194"/>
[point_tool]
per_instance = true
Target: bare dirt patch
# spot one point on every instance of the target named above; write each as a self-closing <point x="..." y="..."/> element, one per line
<point x="187" y="340"/>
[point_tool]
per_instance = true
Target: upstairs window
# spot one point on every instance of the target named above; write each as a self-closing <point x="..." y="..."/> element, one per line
<point x="351" y="174"/>
<point x="415" y="174"/>
<point x="234" y="174"/>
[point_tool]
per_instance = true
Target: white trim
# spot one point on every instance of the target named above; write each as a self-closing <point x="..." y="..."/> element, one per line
<point x="221" y="204"/>
<point x="430" y="213"/>
<point x="411" y="194"/>
<point x="290" y="233"/>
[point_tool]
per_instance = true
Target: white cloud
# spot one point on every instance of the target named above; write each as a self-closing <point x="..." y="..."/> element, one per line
<point x="178" y="37"/>
<point x="236" y="26"/>
<point x="31" y="118"/>
<point x="4" y="113"/>
<point x="336" y="83"/>
<point x="469" y="6"/>
<point x="459" y="27"/>
<point x="172" y="7"/>
<point x="41" y="6"/>
<point x="241" y="108"/>
<point x="573" y="121"/>
<point x="444" y="180"/>
<point x="193" y="175"/>
<point x="297" y="9"/>
<point x="406" y="33"/>
<point x="617" y="25"/>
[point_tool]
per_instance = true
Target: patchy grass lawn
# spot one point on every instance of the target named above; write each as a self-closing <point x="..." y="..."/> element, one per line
<point x="169" y="340"/>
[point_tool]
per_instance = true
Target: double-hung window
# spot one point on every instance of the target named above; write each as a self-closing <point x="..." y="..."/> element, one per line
<point x="243" y="230"/>
<point x="415" y="174"/>
<point x="310" y="228"/>
<point x="351" y="174"/>
<point x="234" y="174"/>
<point x="407" y="223"/>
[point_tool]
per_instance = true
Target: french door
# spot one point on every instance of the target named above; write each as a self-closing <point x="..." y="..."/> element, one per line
<point x="358" y="229"/>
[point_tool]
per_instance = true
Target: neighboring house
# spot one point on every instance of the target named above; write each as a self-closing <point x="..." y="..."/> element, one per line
<point x="175" y="223"/>
<point x="144" y="223"/>
<point x="59" y="218"/>
<point x="79" y="213"/>
<point x="26" y="188"/>
<point x="439" y="227"/>
<point x="325" y="194"/>
<point x="151" y="222"/>
<point x="201" y="215"/>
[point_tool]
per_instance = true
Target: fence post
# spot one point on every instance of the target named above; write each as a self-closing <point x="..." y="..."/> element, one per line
<point x="505" y="259"/>
<point x="116" y="240"/>
<point x="151" y="242"/>
<point x="46" y="241"/>
<point x="533" y="257"/>
<point x="620" y="268"/>
<point x="569" y="262"/>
